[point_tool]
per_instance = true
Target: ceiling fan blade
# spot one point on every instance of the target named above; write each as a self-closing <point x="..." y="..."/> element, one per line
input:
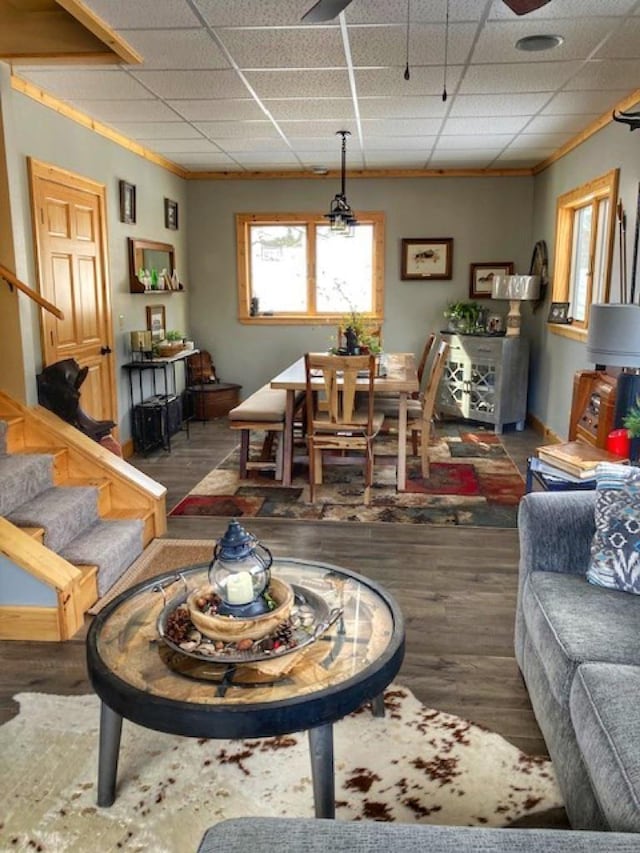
<point x="325" y="10"/>
<point x="523" y="7"/>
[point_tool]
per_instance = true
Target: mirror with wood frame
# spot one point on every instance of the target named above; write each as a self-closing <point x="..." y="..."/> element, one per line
<point x="149" y="255"/>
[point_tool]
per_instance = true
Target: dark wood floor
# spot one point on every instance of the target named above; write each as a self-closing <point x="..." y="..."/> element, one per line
<point x="456" y="587"/>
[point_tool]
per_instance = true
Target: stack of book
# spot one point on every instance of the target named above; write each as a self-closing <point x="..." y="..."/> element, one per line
<point x="574" y="459"/>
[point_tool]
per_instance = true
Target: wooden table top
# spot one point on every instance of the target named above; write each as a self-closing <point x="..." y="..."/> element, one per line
<point x="401" y="375"/>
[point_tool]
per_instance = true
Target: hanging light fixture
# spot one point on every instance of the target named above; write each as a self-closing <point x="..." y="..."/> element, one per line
<point x="341" y="217"/>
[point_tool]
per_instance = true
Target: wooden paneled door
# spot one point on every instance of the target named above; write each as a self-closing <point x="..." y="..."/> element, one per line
<point x="71" y="247"/>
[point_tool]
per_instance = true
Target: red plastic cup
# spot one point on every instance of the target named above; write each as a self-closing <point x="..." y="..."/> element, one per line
<point x="618" y="442"/>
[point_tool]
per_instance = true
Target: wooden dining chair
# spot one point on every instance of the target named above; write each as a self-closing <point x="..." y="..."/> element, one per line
<point x="426" y="352"/>
<point x="421" y="425"/>
<point x="343" y="427"/>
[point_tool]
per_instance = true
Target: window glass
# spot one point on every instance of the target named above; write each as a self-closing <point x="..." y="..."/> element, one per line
<point x="599" y="267"/>
<point x="580" y="262"/>
<point x="344" y="270"/>
<point x="279" y="267"/>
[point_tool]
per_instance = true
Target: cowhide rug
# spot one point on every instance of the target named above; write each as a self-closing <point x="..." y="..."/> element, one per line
<point x="415" y="765"/>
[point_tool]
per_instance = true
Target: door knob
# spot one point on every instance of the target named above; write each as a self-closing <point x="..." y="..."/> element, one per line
<point x="105" y="350"/>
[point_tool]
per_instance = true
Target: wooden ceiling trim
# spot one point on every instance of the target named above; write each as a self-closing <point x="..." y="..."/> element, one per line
<point x="59" y="31"/>
<point x="73" y="114"/>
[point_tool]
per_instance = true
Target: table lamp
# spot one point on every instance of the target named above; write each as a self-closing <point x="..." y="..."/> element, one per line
<point x="517" y="289"/>
<point x="614" y="341"/>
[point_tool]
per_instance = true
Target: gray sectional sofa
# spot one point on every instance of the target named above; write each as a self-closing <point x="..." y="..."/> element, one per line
<point x="578" y="646"/>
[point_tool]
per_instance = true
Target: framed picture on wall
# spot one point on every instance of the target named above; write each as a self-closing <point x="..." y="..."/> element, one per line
<point x="171" y="214"/>
<point x="156" y="321"/>
<point x="426" y="258"/>
<point x="127" y="203"/>
<point x="482" y="276"/>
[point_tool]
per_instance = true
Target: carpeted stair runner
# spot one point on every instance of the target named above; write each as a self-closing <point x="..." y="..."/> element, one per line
<point x="68" y="514"/>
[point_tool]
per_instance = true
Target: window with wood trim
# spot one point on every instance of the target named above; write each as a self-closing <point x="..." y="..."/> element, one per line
<point x="585" y="230"/>
<point x="293" y="269"/>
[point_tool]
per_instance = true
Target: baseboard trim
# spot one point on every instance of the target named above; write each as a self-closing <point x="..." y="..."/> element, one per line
<point x="548" y="435"/>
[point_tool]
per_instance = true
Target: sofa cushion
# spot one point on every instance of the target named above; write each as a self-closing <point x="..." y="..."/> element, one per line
<point x="606" y="717"/>
<point x="571" y="621"/>
<point x="615" y="550"/>
<point x="305" y="835"/>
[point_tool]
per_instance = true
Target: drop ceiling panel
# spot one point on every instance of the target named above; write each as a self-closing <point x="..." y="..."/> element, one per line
<point x="560" y="123"/>
<point x="606" y="74"/>
<point x="253" y="13"/>
<point x="625" y="45"/>
<point x="529" y="157"/>
<point x="152" y="130"/>
<point x="300" y="84"/>
<point x="326" y="144"/>
<point x="498" y="105"/>
<point x="267" y="146"/>
<point x="223" y="110"/>
<point x="425" y="11"/>
<point x="579" y="103"/>
<point x="373" y="128"/>
<point x="213" y="161"/>
<point x="399" y="108"/>
<point x="302" y="47"/>
<point x="114" y="111"/>
<point x="497" y="40"/>
<point x="470" y="160"/>
<point x="96" y="83"/>
<point x="121" y="14"/>
<point x="485" y="124"/>
<point x="393" y="159"/>
<point x="325" y="130"/>
<point x="230" y="129"/>
<point x="185" y="146"/>
<point x="320" y="108"/>
<point x="426" y="44"/>
<point x="174" y="49"/>
<point x="515" y="77"/>
<point x="453" y="143"/>
<point x="540" y="140"/>
<point x="390" y="82"/>
<point x="193" y="84"/>
<point x="569" y="10"/>
<point x="275" y="159"/>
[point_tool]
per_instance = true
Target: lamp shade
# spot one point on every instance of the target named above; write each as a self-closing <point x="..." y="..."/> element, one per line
<point x="614" y="335"/>
<point x="515" y="287"/>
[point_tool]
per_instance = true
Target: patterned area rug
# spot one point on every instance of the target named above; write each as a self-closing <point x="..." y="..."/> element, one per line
<point x="473" y="482"/>
<point x="415" y="765"/>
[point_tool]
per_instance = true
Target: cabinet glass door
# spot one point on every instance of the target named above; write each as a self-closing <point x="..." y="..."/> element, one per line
<point x="482" y="388"/>
<point x="452" y="393"/>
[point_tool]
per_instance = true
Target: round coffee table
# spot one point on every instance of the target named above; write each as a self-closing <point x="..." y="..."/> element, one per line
<point x="137" y="676"/>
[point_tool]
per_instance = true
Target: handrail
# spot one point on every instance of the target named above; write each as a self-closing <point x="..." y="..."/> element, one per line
<point x="12" y="281"/>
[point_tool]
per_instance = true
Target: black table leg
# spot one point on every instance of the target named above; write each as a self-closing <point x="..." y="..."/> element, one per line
<point x="110" y="731"/>
<point x="377" y="705"/>
<point x="322" y="770"/>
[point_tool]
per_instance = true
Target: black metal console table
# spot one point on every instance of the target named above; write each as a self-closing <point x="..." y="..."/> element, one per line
<point x="155" y="418"/>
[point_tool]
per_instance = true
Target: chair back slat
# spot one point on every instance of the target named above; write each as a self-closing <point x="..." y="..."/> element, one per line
<point x="433" y="380"/>
<point x="424" y="357"/>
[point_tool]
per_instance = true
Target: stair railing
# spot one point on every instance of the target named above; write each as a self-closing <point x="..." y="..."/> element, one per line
<point x="13" y="281"/>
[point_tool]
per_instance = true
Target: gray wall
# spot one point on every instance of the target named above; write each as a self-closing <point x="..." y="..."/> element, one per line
<point x="32" y="130"/>
<point x="488" y="218"/>
<point x="556" y="358"/>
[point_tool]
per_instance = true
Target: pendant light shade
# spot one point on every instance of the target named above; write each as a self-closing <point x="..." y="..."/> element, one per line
<point x="341" y="218"/>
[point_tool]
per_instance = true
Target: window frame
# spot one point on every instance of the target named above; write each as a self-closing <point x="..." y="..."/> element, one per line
<point x="311" y="220"/>
<point x="567" y="207"/>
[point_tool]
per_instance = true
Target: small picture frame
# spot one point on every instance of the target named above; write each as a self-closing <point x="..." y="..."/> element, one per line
<point x="426" y="259"/>
<point x="171" y="214"/>
<point x="482" y="275"/>
<point x="156" y="322"/>
<point x="127" y="203"/>
<point x="559" y="313"/>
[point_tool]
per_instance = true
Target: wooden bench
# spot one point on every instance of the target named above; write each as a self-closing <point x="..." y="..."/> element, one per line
<point x="263" y="411"/>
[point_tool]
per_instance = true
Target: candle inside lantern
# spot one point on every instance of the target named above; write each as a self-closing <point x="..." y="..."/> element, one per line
<point x="239" y="588"/>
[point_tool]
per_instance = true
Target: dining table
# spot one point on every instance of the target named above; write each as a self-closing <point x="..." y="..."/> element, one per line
<point x="399" y="376"/>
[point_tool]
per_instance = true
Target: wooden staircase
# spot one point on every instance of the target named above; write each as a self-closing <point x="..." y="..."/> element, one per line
<point x="123" y="493"/>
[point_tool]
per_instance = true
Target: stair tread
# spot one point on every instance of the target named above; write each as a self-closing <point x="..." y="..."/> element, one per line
<point x="63" y="511"/>
<point x="111" y="545"/>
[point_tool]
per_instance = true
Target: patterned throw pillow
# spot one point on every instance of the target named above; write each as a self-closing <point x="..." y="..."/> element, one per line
<point x="615" y="549"/>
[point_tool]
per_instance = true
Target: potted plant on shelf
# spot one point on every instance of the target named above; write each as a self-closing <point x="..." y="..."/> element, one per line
<point x="172" y="344"/>
<point x="462" y="316"/>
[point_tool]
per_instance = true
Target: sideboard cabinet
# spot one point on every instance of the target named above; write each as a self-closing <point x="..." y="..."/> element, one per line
<point x="485" y="379"/>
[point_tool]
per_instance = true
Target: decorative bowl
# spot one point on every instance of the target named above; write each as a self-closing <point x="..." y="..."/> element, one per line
<point x="230" y="629"/>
